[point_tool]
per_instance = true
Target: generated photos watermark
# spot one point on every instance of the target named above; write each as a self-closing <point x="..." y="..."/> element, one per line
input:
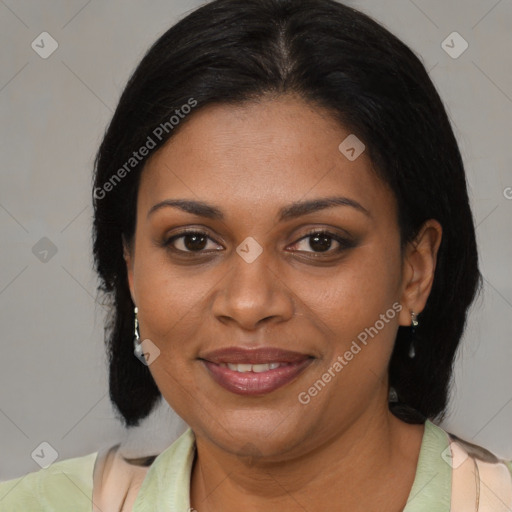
<point x="146" y="351"/>
<point x="305" y="397"/>
<point x="151" y="142"/>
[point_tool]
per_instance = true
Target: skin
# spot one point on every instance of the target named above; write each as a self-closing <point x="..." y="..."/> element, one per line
<point x="272" y="452"/>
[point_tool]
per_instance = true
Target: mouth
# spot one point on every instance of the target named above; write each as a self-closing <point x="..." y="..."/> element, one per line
<point x="254" y="371"/>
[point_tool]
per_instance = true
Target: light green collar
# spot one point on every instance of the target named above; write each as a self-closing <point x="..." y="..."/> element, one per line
<point x="432" y="485"/>
<point x="166" y="486"/>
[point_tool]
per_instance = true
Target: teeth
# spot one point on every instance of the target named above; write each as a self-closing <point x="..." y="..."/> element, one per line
<point x="256" y="368"/>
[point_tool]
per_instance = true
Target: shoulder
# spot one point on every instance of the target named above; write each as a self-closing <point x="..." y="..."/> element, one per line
<point x="479" y="453"/>
<point x="472" y="450"/>
<point x="478" y="476"/>
<point x="67" y="483"/>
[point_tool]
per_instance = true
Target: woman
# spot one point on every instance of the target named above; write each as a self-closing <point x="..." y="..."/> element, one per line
<point x="283" y="227"/>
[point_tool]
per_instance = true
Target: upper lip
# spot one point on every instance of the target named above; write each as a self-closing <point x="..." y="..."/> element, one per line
<point x="260" y="355"/>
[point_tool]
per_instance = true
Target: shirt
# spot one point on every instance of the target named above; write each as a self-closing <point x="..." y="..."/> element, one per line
<point x="68" y="485"/>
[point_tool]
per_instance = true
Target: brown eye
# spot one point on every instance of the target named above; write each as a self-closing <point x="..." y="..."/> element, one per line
<point x="318" y="242"/>
<point x="191" y="241"/>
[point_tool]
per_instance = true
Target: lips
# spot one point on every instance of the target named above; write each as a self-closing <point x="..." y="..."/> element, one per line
<point x="254" y="371"/>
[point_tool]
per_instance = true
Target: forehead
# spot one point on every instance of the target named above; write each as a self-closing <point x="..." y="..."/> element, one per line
<point x="260" y="155"/>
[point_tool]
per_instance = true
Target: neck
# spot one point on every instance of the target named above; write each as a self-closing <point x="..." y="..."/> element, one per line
<point x="370" y="465"/>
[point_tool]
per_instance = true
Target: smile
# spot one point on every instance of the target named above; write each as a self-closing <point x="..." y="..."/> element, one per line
<point x="254" y="371"/>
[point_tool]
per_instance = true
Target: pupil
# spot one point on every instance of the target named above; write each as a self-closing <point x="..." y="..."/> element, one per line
<point x="195" y="242"/>
<point x="320" y="242"/>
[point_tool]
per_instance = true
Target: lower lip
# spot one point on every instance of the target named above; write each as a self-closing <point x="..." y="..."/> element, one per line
<point x="252" y="383"/>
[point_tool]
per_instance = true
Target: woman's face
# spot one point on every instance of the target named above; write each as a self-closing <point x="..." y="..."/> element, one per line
<point x="268" y="263"/>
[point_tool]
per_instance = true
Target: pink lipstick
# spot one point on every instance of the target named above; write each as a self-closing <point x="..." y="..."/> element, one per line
<point x="254" y="371"/>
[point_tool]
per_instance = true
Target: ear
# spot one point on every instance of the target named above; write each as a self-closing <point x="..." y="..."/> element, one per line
<point x="418" y="269"/>
<point x="128" y="258"/>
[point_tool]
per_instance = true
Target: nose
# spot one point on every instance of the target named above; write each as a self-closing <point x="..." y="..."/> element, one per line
<point x="252" y="294"/>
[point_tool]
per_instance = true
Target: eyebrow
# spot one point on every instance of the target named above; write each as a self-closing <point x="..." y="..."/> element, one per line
<point x="292" y="211"/>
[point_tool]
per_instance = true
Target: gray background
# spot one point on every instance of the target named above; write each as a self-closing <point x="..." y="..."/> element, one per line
<point x="54" y="111"/>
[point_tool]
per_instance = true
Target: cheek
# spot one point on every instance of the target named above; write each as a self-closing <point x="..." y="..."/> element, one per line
<point x="170" y="298"/>
<point x="353" y="295"/>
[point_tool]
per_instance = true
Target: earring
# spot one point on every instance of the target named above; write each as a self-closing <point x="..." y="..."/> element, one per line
<point x="136" y="340"/>
<point x="414" y="324"/>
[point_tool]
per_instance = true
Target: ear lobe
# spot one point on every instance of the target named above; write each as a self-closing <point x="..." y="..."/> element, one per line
<point x="126" y="249"/>
<point x="128" y="258"/>
<point x="419" y="266"/>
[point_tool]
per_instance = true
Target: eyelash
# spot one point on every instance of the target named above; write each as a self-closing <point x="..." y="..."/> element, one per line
<point x="344" y="243"/>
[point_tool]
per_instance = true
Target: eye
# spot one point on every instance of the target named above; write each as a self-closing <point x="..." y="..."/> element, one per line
<point x="191" y="241"/>
<point x="321" y="241"/>
<point x="316" y="242"/>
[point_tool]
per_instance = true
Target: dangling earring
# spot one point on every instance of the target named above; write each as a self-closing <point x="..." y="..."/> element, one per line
<point x="136" y="340"/>
<point x="414" y="324"/>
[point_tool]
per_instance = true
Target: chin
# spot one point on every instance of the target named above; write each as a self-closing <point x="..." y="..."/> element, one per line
<point x="256" y="433"/>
